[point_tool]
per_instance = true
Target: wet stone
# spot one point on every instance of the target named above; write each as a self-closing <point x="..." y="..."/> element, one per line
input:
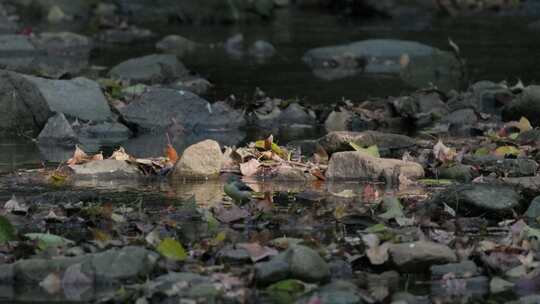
<point x="463" y="269"/>
<point x="533" y="212"/>
<point x="419" y="256"/>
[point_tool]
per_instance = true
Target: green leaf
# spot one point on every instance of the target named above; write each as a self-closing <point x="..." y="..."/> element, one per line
<point x="371" y="150"/>
<point x="259" y="144"/>
<point x="392" y="207"/>
<point x="286" y="291"/>
<point x="7" y="232"/>
<point x="481" y="152"/>
<point x="435" y="182"/>
<point x="172" y="249"/>
<point x="376" y="228"/>
<point x="46" y="240"/>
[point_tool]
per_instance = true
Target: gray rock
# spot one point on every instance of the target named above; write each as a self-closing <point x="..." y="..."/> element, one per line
<point x="533" y="212"/>
<point x="478" y="198"/>
<point x="113" y="265"/>
<point x="200" y="161"/>
<point x="130" y="262"/>
<point x="234" y="46"/>
<point x="415" y="63"/>
<point x="183" y="285"/>
<point x="502" y="166"/>
<point x="338" y="292"/>
<point x="386" y="142"/>
<point x="106" y="169"/>
<point x="462" y="269"/>
<point x="291" y="174"/>
<point x="272" y="271"/>
<point x="306" y="264"/>
<point x="105" y="132"/>
<point x="7" y="24"/>
<point x="234" y="255"/>
<point x="22" y="106"/>
<point x="131" y="34"/>
<point x="498" y="284"/>
<point x="157" y="109"/>
<point x="47" y="54"/>
<point x="362" y="166"/>
<point x="472" y="287"/>
<point x="529" y="137"/>
<point x="298" y="262"/>
<point x="196" y="85"/>
<point x="338" y="121"/>
<point x="150" y="69"/>
<point x="58" y="131"/>
<point x="419" y="256"/>
<point x="526" y="105"/>
<point x="459" y="172"/>
<point x="64" y="53"/>
<point x="177" y="45"/>
<point x="79" y="98"/>
<point x="262" y="49"/>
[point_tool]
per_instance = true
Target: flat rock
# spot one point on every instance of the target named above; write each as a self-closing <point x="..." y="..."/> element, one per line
<point x="150" y="69"/>
<point x="386" y="142"/>
<point x="356" y="165"/>
<point x="419" y="256"/>
<point x="158" y="109"/>
<point x="106" y="169"/>
<point x="476" y="199"/>
<point x="79" y="97"/>
<point x="200" y="161"/>
<point x="113" y="265"/>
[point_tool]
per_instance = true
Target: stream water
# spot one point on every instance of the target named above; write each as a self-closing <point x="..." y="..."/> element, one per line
<point x="495" y="49"/>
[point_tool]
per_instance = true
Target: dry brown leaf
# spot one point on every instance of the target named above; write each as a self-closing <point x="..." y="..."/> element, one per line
<point x="257" y="252"/>
<point x="268" y="142"/>
<point x="171" y="153"/>
<point x="443" y="153"/>
<point x="120" y="154"/>
<point x="79" y="157"/>
<point x="250" y="167"/>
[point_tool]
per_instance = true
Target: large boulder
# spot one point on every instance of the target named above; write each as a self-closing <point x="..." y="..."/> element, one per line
<point x="355" y="165"/>
<point x="417" y="64"/>
<point x="22" y="107"/>
<point x="151" y="69"/>
<point x="200" y="161"/>
<point x="79" y="97"/>
<point x="158" y="108"/>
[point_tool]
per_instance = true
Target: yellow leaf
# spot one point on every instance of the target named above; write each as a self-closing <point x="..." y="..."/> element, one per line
<point x="172" y="249"/>
<point x="507" y="150"/>
<point x="371" y="150"/>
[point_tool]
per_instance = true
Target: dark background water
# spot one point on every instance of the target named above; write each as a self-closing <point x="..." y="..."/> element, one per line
<point x="496" y="48"/>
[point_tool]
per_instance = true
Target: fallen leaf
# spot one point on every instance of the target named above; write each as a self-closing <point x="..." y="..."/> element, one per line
<point x="46" y="240"/>
<point x="443" y="153"/>
<point x="79" y="156"/>
<point x="250" y="167"/>
<point x="268" y="142"/>
<point x="15" y="207"/>
<point x="370" y="194"/>
<point x="377" y="254"/>
<point x="523" y="125"/>
<point x="507" y="151"/>
<point x="51" y="283"/>
<point x="172" y="249"/>
<point x="230" y="214"/>
<point x="371" y="150"/>
<point x="120" y="154"/>
<point x="257" y="252"/>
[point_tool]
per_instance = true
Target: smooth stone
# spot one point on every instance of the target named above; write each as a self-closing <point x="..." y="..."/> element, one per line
<point x="419" y="256"/>
<point x="202" y="160"/>
<point x="150" y="69"/>
<point x="362" y="166"/>
<point x="106" y="169"/>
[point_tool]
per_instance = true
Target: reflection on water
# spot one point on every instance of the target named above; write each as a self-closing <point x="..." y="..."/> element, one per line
<point x="18" y="153"/>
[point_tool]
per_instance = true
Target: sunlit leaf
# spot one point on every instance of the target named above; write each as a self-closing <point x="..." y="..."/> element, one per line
<point x="172" y="249"/>
<point x="250" y="167"/>
<point x="371" y="150"/>
<point x="481" y="151"/>
<point x="523" y="125"/>
<point x="443" y="153"/>
<point x="46" y="240"/>
<point x="507" y="151"/>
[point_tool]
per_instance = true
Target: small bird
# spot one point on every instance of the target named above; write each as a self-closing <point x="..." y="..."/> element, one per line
<point x="238" y="190"/>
